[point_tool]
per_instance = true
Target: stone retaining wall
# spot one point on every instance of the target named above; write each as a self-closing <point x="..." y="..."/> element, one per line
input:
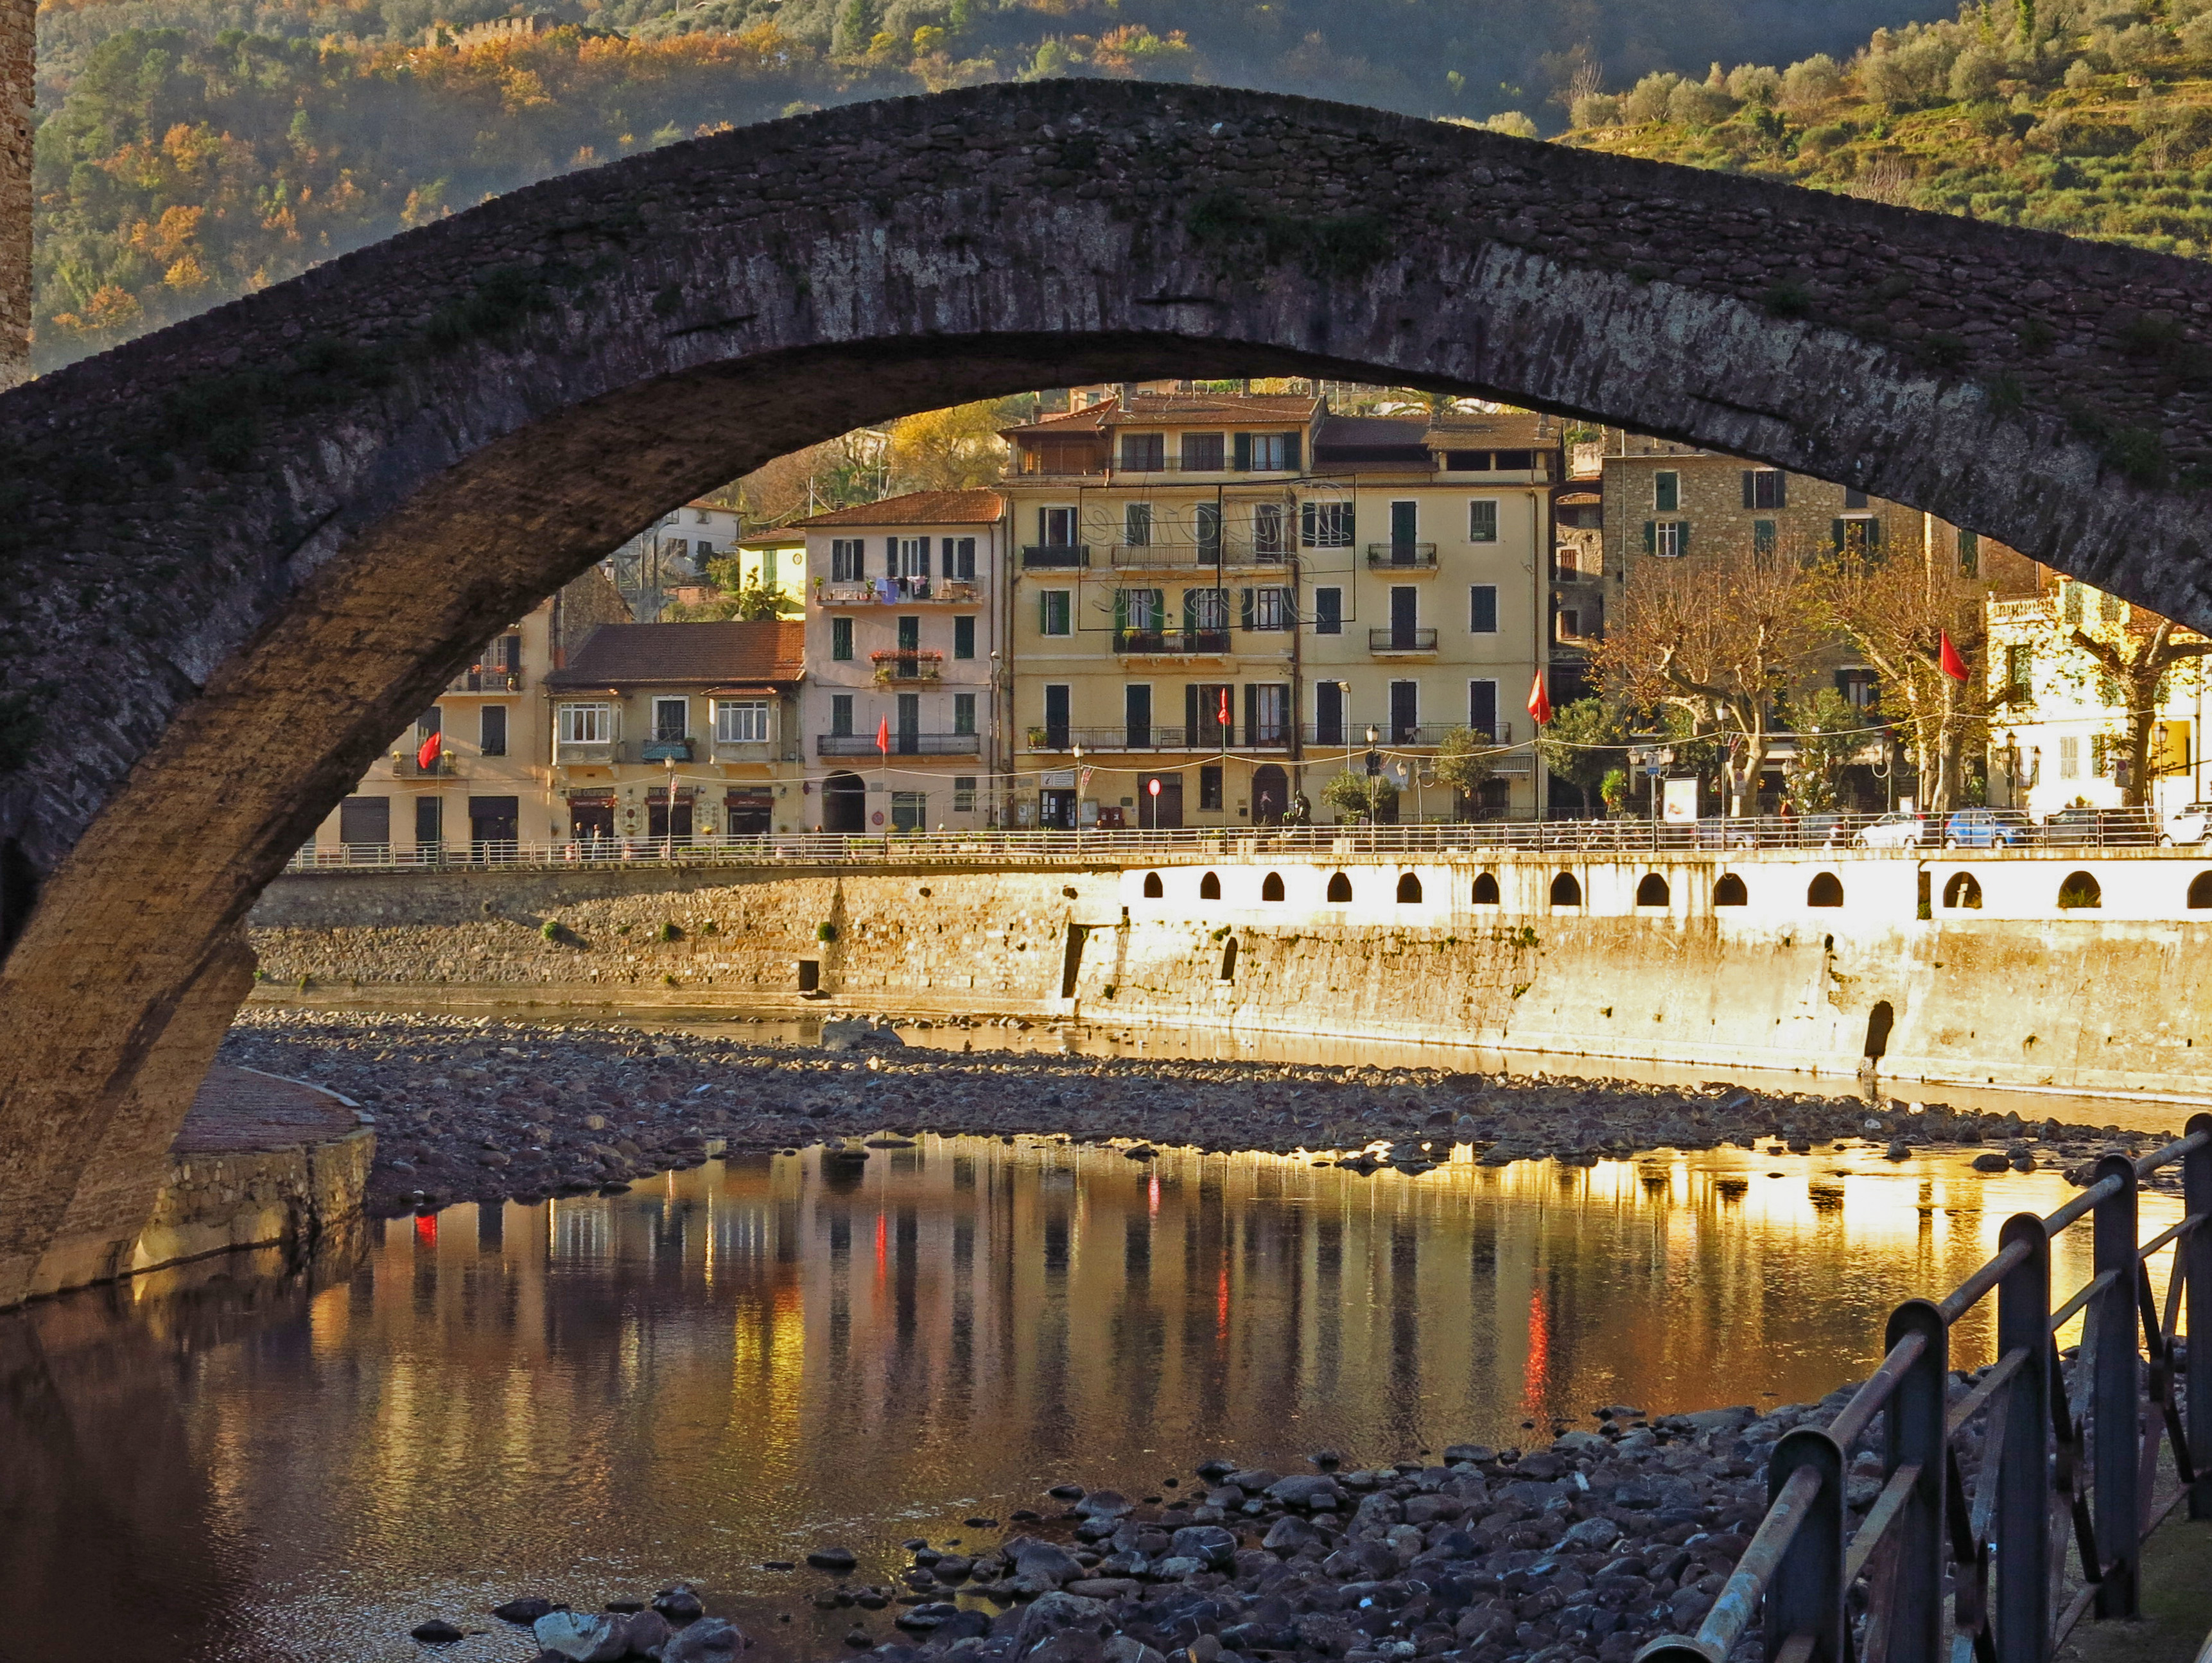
<point x="211" y="1202"/>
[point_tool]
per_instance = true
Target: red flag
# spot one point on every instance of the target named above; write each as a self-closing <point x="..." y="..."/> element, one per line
<point x="1225" y="706"/>
<point x="426" y="754"/>
<point x="1953" y="664"/>
<point x="884" y="735"/>
<point x="1539" y="701"/>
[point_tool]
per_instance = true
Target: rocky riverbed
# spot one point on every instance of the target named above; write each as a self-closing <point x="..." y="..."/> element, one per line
<point x="487" y="1109"/>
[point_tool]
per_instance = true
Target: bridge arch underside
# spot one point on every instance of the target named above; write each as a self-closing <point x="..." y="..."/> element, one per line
<point x="242" y="554"/>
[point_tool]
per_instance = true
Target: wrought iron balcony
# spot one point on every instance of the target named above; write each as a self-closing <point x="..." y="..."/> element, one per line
<point x="1172" y="641"/>
<point x="1055" y="556"/>
<point x="902" y="744"/>
<point x="404" y="767"/>
<point x="665" y="751"/>
<point x="1402" y="556"/>
<point x="919" y="665"/>
<point x="900" y="591"/>
<point x="1230" y="554"/>
<point x="486" y="678"/>
<point x="1394" y="639"/>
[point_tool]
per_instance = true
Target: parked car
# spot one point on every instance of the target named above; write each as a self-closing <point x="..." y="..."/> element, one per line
<point x="1894" y="831"/>
<point x="2191" y="825"/>
<point x="1988" y="829"/>
<point x="2107" y="828"/>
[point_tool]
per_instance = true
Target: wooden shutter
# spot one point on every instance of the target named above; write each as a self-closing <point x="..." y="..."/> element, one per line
<point x="1747" y="491"/>
<point x="1291" y="444"/>
<point x="1251" y="710"/>
<point x="1651" y="536"/>
<point x="1190" y="713"/>
<point x="1244" y="608"/>
<point x="1243" y="462"/>
<point x="1836" y="529"/>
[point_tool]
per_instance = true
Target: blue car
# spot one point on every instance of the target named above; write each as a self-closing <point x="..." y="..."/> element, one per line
<point x="1987" y="828"/>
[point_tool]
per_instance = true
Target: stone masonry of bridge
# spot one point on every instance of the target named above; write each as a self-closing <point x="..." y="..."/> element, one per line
<point x="240" y="555"/>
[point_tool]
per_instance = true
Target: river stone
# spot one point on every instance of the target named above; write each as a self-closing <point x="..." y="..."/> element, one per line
<point x="1288" y="1534"/>
<point x="1052" y="1612"/>
<point x="709" y="1639"/>
<point x="1178" y="1567"/>
<point x="1318" y="1489"/>
<point x="1105" y="1588"/>
<point x="1127" y="1648"/>
<point x="832" y="1558"/>
<point x="1461" y="1454"/>
<point x="1595" y="1534"/>
<point x="1210" y="1543"/>
<point x="1047" y="1563"/>
<point x="435" y="1632"/>
<point x="1990" y="1160"/>
<point x="583" y="1638"/>
<point x="1105" y="1504"/>
<point x="1578" y="1443"/>
<point x="678" y="1604"/>
<point x="525" y="1611"/>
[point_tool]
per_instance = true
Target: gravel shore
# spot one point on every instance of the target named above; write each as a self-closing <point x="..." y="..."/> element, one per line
<point x="487" y="1109"/>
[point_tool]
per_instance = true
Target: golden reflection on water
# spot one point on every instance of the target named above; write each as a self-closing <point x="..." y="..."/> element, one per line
<point x="731" y="1364"/>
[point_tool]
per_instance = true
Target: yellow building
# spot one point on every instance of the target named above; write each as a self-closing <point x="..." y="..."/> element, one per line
<point x="775" y="560"/>
<point x="1216" y="598"/>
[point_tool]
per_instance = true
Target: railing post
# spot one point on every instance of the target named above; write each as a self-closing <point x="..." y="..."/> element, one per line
<point x="2113" y="1354"/>
<point x="1914" y="1432"/>
<point x="1807" y="1593"/>
<point x="2193" y="1255"/>
<point x="2022" y="1611"/>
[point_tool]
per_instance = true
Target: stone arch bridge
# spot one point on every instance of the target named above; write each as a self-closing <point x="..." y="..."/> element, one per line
<point x="240" y="555"/>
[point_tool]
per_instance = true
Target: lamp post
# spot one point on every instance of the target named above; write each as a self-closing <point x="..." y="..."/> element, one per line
<point x="1078" y="802"/>
<point x="996" y="816"/>
<point x="1374" y="772"/>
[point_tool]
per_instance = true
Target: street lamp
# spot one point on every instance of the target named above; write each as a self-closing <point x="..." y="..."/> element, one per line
<point x="1079" y="800"/>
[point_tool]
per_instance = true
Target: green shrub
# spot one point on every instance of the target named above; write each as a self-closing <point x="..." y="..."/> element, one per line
<point x="825" y="933"/>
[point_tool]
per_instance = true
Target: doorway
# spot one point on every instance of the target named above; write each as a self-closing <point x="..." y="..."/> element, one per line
<point x="667" y="820"/>
<point x="1405" y="712"/>
<point x="1405" y="617"/>
<point x="495" y="821"/>
<point x="591" y="819"/>
<point x="1405" y="527"/>
<point x="1164" y="811"/>
<point x="844" y="804"/>
<point x="908" y="740"/>
<point x="1270" y="794"/>
<point x="1058" y="809"/>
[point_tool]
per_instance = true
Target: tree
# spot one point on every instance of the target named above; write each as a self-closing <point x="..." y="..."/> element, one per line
<point x="1830" y="730"/>
<point x="1717" y="637"/>
<point x="736" y="596"/>
<point x="1359" y="796"/>
<point x="1463" y="763"/>
<point x="1895" y="608"/>
<point x="837" y="473"/>
<point x="1584" y="741"/>
<point x="957" y="449"/>
<point x="2137" y="649"/>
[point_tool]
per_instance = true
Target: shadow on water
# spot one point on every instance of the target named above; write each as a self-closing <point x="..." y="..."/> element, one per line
<point x="733" y="1364"/>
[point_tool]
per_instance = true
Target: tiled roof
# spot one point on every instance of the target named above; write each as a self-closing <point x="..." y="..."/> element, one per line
<point x="915" y="508"/>
<point x="1368" y="430"/>
<point x="770" y="650"/>
<point x="1147" y="408"/>
<point x="1512" y="430"/>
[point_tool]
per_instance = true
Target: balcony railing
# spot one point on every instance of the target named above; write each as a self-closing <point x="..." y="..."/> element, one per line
<point x="899" y="592"/>
<point x="1191" y="556"/>
<point x="919" y="665"/>
<point x="1402" y="556"/>
<point x="1167" y="641"/>
<point x="1055" y="556"/>
<point x="404" y="767"/>
<point x="486" y="678"/>
<point x="1207" y="739"/>
<point x="665" y="751"/>
<point x="1353" y="736"/>
<point x="1394" y="639"/>
<point x="902" y="744"/>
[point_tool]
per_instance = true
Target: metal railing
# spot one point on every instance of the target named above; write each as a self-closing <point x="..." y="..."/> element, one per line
<point x="899" y="592"/>
<point x="1230" y="554"/>
<point x="486" y="678"/>
<point x="1055" y="556"/>
<point x="1402" y="556"/>
<point x="1208" y="737"/>
<point x="1394" y="639"/>
<point x="1171" y="640"/>
<point x="404" y="765"/>
<point x="907" y="665"/>
<point x="902" y="744"/>
<point x="1991" y="1530"/>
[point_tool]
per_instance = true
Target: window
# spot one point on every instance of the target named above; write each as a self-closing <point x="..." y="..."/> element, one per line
<point x="740" y="721"/>
<point x="1566" y="890"/>
<point x="1055" y="612"/>
<point x="1568" y="622"/>
<point x="1766" y="487"/>
<point x="1485" y="890"/>
<point x="1666" y="491"/>
<point x="1209" y="887"/>
<point x="1482" y="609"/>
<point x="1328" y="713"/>
<point x="671" y="719"/>
<point x="1267" y="712"/>
<point x="910" y="558"/>
<point x="2070" y="756"/>
<point x="1325" y="524"/>
<point x="963" y="713"/>
<point x="1339" y="888"/>
<point x="767" y="567"/>
<point x="1154" y="889"/>
<point x="1826" y="889"/>
<point x="1730" y="891"/>
<point x="1268" y="452"/>
<point x="585" y="725"/>
<point x="1202" y="452"/>
<point x="1482" y="520"/>
<point x="909" y="810"/>
<point x="909" y="634"/>
<point x="1206" y="523"/>
<point x="1209" y="788"/>
<point x="1057" y="528"/>
<point x="1858" y="535"/>
<point x="1270" y="887"/>
<point x="1652" y="891"/>
<point x="1137" y="524"/>
<point x="365" y="820"/>
<point x="1513" y="462"/>
<point x="491" y="731"/>
<point x="1137" y="715"/>
<point x="1762" y="537"/>
<point x="2080" y="889"/>
<point x="1144" y="452"/>
<point x="1209" y="712"/>
<point x="1853" y="497"/>
<point x="963" y="638"/>
<point x="964" y="794"/>
<point x="1140" y="611"/>
<point x="1859" y="685"/>
<point x="1668" y="539"/>
<point x="1409" y="890"/>
<point x="848" y="560"/>
<point x="960" y="558"/>
<point x="1205" y="611"/>
<point x="1267" y="530"/>
<point x="2069" y="603"/>
<point x="1482" y="709"/>
<point x="1970" y="553"/>
<point x="430" y="822"/>
<point x="701" y="517"/>
<point x="1267" y="608"/>
<point x="1328" y="611"/>
<point x="840" y="715"/>
<point x="840" y="639"/>
<point x="2020" y="670"/>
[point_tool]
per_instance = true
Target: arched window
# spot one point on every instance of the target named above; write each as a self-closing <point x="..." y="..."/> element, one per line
<point x="1229" y="959"/>
<point x="1209" y="888"/>
<point x="1486" y="890"/>
<point x="1340" y="888"/>
<point x="1566" y="890"/>
<point x="2200" y="891"/>
<point x="2080" y="889"/>
<point x="1409" y="888"/>
<point x="1963" y="890"/>
<point x="1270" y="887"/>
<point x="1729" y="891"/>
<point x="1652" y="891"/>
<point x="1154" y="889"/>
<point x="1825" y="890"/>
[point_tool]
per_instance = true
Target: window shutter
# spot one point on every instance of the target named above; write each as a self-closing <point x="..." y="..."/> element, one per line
<point x="1190" y="713"/>
<point x="1251" y="710"/>
<point x="1291" y="443"/>
<point x="1682" y="536"/>
<point x="890" y="558"/>
<point x="1836" y="535"/>
<point x="1243" y="452"/>
<point x="1041" y="523"/>
<point x="1780" y="490"/>
<point x="1748" y="501"/>
<point x="1651" y="537"/>
<point x="1120" y="611"/>
<point x="949" y="544"/>
<point x="1874" y="536"/>
<point x="1244" y="608"/>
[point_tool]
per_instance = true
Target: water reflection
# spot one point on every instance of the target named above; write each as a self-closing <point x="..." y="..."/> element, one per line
<point x="731" y="1364"/>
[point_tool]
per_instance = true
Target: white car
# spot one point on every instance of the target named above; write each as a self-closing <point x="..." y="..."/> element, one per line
<point x="1894" y="831"/>
<point x="2191" y="825"/>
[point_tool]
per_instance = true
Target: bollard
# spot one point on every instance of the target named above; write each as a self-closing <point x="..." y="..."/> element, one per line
<point x="1915" y="1432"/>
<point x="2022" y="1525"/>
<point x="1807" y="1594"/>
<point x="2112" y="1352"/>
<point x="2194" y="1252"/>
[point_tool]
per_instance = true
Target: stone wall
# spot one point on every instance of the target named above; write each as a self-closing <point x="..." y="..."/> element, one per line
<point x="211" y="1202"/>
<point x="2023" y="994"/>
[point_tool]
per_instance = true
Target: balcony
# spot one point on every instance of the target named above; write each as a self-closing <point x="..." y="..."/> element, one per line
<point x="902" y="744"/>
<point x="404" y="767"/>
<point x="1055" y="556"/>
<point x="1171" y="643"/>
<point x="1401" y="556"/>
<point x="1353" y="736"/>
<point x="665" y="751"/>
<point x="1229" y="556"/>
<point x="486" y="678"/>
<point x="916" y="665"/>
<point x="901" y="591"/>
<point x="596" y="753"/>
<point x="1208" y="738"/>
<point x="1397" y="641"/>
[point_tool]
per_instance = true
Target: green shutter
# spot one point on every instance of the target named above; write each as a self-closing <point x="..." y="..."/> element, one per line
<point x="1874" y="536"/>
<point x="1682" y="536"/>
<point x="1293" y="443"/>
<point x="1244" y="608"/>
<point x="1836" y="529"/>
<point x="1650" y="537"/>
<point x="1243" y="452"/>
<point x="1748" y="501"/>
<point x="1120" y="611"/>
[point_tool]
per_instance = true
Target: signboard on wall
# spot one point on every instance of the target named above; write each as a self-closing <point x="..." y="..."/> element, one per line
<point x="1679" y="804"/>
<point x="1057" y="780"/>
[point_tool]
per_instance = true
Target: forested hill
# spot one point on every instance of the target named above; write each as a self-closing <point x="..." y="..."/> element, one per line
<point x="2064" y="115"/>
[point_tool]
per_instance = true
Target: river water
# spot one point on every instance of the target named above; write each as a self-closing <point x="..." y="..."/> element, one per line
<point x="728" y="1366"/>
